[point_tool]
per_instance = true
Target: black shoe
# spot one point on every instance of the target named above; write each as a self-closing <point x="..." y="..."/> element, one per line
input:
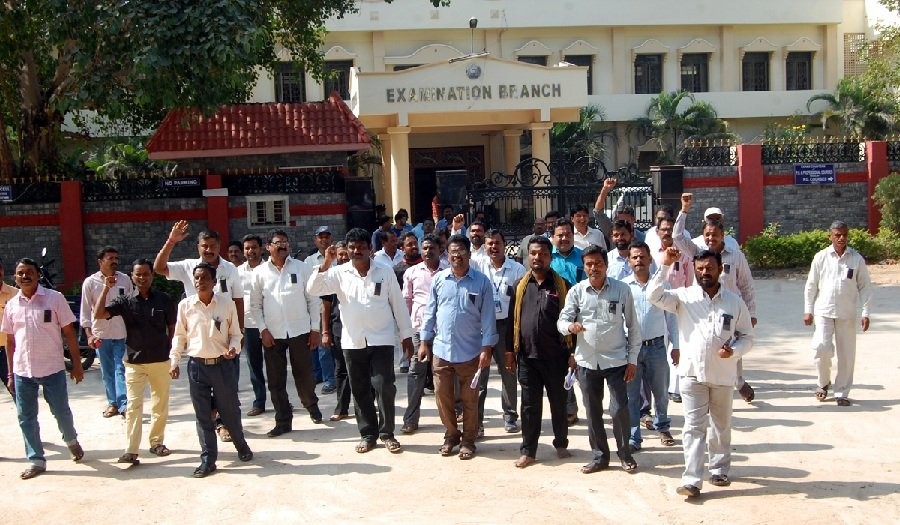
<point x="747" y="392"/>
<point x="688" y="490"/>
<point x="246" y="455"/>
<point x="315" y="414"/>
<point x="404" y="369"/>
<point x="571" y="419"/>
<point x="675" y="398"/>
<point x="205" y="469"/>
<point x="278" y="430"/>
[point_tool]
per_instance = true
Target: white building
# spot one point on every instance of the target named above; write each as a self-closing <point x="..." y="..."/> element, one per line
<point x="753" y="61"/>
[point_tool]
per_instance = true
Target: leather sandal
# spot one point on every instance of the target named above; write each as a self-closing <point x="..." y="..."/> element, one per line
<point x="822" y="393"/>
<point x="665" y="437"/>
<point x="160" y="450"/>
<point x="32" y="471"/>
<point x="129" y="458"/>
<point x="111" y="410"/>
<point x="392" y="445"/>
<point x="466" y="452"/>
<point x="448" y="446"/>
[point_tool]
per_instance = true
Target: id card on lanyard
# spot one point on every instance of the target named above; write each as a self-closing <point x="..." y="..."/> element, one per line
<point x="498" y="305"/>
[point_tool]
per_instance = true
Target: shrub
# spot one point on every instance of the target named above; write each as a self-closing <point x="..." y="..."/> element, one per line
<point x="887" y="197"/>
<point x="769" y="250"/>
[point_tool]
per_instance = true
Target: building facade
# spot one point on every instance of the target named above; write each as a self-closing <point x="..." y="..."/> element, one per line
<point x="752" y="61"/>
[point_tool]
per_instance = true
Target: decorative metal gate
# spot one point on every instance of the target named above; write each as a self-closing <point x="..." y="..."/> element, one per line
<point x="513" y="201"/>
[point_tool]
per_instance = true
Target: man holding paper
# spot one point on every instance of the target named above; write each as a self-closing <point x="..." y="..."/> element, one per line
<point x="460" y="320"/>
<point x="598" y="311"/>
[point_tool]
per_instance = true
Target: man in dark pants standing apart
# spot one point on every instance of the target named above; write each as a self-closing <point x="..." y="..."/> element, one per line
<point x="543" y="356"/>
<point x="599" y="310"/>
<point x="373" y="310"/>
<point x="288" y="320"/>
<point x="208" y="331"/>
<point x="253" y="245"/>
<point x="459" y="319"/>
<point x="149" y="317"/>
<point x="331" y="340"/>
<point x="504" y="273"/>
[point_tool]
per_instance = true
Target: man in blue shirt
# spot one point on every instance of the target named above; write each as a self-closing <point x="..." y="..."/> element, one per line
<point x="460" y="321"/>
<point x="566" y="261"/>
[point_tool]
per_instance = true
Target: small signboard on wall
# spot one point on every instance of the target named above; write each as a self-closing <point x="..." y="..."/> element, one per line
<point x="181" y="182"/>
<point x="6" y="193"/>
<point x="805" y="174"/>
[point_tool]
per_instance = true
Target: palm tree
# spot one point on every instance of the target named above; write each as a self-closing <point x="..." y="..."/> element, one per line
<point x="583" y="138"/>
<point x="855" y="110"/>
<point x="669" y="128"/>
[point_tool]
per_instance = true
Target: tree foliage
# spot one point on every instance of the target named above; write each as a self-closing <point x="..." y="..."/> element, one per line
<point x="133" y="61"/>
<point x="855" y="109"/>
<point x="668" y="126"/>
<point x="887" y="197"/>
<point x="583" y="138"/>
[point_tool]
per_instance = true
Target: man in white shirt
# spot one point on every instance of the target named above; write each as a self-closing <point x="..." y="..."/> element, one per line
<point x="323" y="361"/>
<point x="714" y="331"/>
<point x="107" y="335"/>
<point x="207" y="329"/>
<point x="228" y="282"/>
<point x="736" y="275"/>
<point x="252" y="246"/>
<point x="504" y="273"/>
<point x="838" y="280"/>
<point x="288" y="320"/>
<point x="389" y="254"/>
<point x="475" y="233"/>
<point x="372" y="311"/>
<point x="584" y="234"/>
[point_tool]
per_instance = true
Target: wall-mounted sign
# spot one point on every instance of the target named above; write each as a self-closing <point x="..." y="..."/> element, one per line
<point x="396" y="95"/>
<point x="181" y="182"/>
<point x="814" y="174"/>
<point x="6" y="193"/>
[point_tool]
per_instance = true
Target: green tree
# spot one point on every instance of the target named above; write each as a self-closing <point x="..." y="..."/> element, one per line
<point x="133" y="61"/>
<point x="856" y="109"/>
<point x="887" y="197"/>
<point x="583" y="138"/>
<point x="669" y="127"/>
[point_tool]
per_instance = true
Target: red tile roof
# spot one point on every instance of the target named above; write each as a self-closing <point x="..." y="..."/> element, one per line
<point x="254" y="129"/>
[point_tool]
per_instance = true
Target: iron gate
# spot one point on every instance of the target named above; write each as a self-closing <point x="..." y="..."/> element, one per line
<point x="513" y="201"/>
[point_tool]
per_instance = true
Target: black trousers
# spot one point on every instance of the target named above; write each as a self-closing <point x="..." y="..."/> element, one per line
<point x="204" y="381"/>
<point x="536" y="375"/>
<point x="297" y="350"/>
<point x="371" y="372"/>
<point x="341" y="381"/>
<point x="592" y="389"/>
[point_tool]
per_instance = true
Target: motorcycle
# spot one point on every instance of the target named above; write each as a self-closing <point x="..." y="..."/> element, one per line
<point x="86" y="353"/>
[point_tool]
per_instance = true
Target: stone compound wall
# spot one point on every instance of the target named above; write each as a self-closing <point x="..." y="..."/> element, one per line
<point x="18" y="242"/>
<point x="724" y="196"/>
<point x="806" y="207"/>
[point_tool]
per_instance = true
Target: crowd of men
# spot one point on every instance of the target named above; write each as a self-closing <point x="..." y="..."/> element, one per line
<point x="656" y="316"/>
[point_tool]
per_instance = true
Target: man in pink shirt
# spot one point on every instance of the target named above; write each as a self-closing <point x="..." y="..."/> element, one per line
<point x="416" y="290"/>
<point x="32" y="321"/>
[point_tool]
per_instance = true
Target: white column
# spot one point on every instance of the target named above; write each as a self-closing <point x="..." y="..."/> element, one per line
<point x="400" y="195"/>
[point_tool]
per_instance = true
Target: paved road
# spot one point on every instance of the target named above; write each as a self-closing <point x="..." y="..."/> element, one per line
<point x="795" y="459"/>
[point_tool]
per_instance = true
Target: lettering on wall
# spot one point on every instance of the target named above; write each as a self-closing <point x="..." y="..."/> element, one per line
<point x="400" y="95"/>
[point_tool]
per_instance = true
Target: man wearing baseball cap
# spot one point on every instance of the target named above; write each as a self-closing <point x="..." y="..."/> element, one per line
<point x="323" y="361"/>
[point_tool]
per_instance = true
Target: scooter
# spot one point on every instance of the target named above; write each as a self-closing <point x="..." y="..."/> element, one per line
<point x="87" y="353"/>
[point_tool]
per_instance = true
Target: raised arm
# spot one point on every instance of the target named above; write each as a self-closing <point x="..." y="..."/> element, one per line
<point x="178" y="233"/>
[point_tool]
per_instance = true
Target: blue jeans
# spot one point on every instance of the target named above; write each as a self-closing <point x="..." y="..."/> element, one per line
<point x="325" y="365"/>
<point x="57" y="396"/>
<point x="652" y="370"/>
<point x="112" y="369"/>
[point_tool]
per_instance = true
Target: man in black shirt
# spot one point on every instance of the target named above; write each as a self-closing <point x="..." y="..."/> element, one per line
<point x="149" y="317"/>
<point x="543" y="355"/>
